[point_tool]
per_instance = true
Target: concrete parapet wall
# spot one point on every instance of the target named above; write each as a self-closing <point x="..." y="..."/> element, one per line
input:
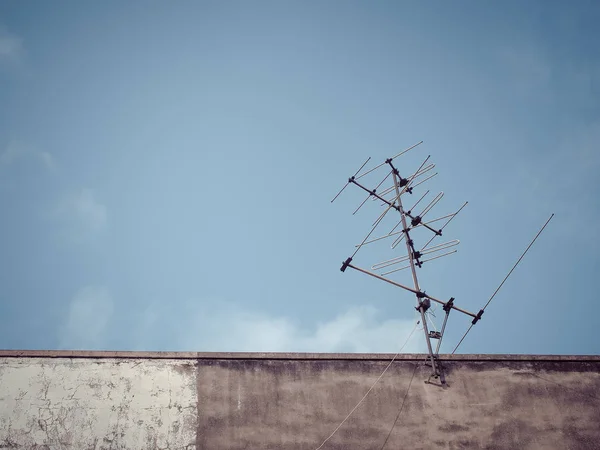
<point x="126" y="400"/>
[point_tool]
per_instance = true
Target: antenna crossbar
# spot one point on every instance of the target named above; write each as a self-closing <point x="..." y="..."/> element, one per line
<point x="406" y="288"/>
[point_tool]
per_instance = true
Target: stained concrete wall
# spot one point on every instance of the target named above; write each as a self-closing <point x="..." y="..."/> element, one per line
<point x="107" y="400"/>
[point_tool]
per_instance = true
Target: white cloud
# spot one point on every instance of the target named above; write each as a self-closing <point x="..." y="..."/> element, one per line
<point x="11" y="46"/>
<point x="15" y="151"/>
<point x="229" y="328"/>
<point x="89" y="314"/>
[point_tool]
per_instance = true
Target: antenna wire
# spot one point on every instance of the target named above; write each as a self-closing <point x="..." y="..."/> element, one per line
<point x="506" y="278"/>
<point x="371" y="388"/>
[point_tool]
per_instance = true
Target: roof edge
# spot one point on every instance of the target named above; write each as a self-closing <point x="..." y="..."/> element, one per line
<point x="283" y="356"/>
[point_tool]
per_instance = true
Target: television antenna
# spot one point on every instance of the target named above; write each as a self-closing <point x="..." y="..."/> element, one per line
<point x="392" y="190"/>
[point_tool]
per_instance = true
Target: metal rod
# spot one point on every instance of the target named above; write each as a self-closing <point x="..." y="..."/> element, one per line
<point x="383" y="181"/>
<point x="389" y="262"/>
<point x="382" y="214"/>
<point x="361" y="167"/>
<point x="439" y="218"/>
<point x="408" y="149"/>
<point x="518" y="261"/>
<point x="399" y="259"/>
<point x="412" y="178"/>
<point x="393" y="283"/>
<point x="394" y="157"/>
<point x="444" y="226"/>
<point x="437" y="233"/>
<point x="423" y="181"/>
<point x="462" y="339"/>
<point x="396" y="270"/>
<point x="411" y="260"/>
<point x="386" y="191"/>
<point x="406" y="187"/>
<point x="395" y="226"/>
<point x="341" y="190"/>
<point x="392" y="198"/>
<point x="375" y="194"/>
<point x="440" y="256"/>
<point x="428" y="340"/>
<point x="423" y="261"/>
<point x="381" y="237"/>
<point x="439" y="344"/>
<point x="406" y="267"/>
<point x="377" y="187"/>
<point x="437" y="248"/>
<point x="371" y="170"/>
<point x="384" y="279"/>
<point x="360" y="206"/>
<point x="434" y="202"/>
<point x="424" y="170"/>
<point x="347" y="183"/>
<point x="397" y="241"/>
<point x="464" y="311"/>
<point x="385" y="212"/>
<point x="377" y="222"/>
<point x="418" y="201"/>
<point x="405" y="227"/>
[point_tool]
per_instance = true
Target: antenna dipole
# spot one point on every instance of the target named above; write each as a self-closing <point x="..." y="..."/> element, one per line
<point x="409" y="223"/>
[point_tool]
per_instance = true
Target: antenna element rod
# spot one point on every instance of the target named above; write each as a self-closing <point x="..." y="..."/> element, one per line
<point x="503" y="281"/>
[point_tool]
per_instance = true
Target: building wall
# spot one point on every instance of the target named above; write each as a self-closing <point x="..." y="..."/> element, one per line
<point x="97" y="403"/>
<point x="87" y="400"/>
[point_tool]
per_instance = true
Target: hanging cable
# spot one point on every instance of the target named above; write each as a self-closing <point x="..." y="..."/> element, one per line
<point x="372" y="386"/>
<point x="430" y="316"/>
<point x="401" y="405"/>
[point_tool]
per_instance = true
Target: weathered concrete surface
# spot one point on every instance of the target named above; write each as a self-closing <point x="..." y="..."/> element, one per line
<point x="100" y="400"/>
<point x="97" y="404"/>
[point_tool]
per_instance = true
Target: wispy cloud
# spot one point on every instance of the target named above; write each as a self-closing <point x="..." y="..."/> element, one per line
<point x="230" y="328"/>
<point x="46" y="159"/>
<point x="89" y="314"/>
<point x="16" y="151"/>
<point x="83" y="213"/>
<point x="11" y="46"/>
<point x="89" y="210"/>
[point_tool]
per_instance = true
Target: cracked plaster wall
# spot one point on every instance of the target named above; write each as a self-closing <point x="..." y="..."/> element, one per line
<point x="67" y="403"/>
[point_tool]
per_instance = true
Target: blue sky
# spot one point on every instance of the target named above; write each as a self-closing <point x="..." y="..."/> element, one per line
<point x="166" y="171"/>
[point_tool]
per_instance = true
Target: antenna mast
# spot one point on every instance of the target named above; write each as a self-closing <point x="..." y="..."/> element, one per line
<point x="391" y="199"/>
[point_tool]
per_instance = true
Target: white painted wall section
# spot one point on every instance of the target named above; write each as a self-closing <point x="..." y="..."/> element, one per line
<point x="57" y="403"/>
